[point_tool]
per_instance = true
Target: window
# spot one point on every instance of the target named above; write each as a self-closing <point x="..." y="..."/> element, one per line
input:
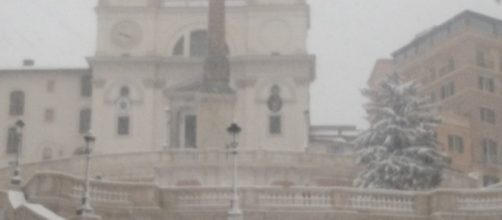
<point x="198" y="43"/>
<point x="49" y="115"/>
<point x="86" y="86"/>
<point x="85" y="121"/>
<point x="490" y="180"/>
<point x="47" y="153"/>
<point x="483" y="59"/>
<point x="124" y="91"/>
<point x="123" y="125"/>
<point x="456" y="144"/>
<point x="179" y="49"/>
<point x="489" y="151"/>
<point x="192" y="44"/>
<point x="480" y="58"/>
<point x="51" y="84"/>
<point x="488" y="115"/>
<point x="451" y="64"/>
<point x="17" y="103"/>
<point x="191" y="131"/>
<point x="447" y="90"/>
<point x="486" y="84"/>
<point x="433" y="97"/>
<point x="12" y="141"/>
<point x="275" y="124"/>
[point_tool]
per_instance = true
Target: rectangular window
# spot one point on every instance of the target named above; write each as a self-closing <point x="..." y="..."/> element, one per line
<point x="49" y="115"/>
<point x="451" y="64"/>
<point x="486" y="84"/>
<point x="490" y="180"/>
<point x="50" y="86"/>
<point x="483" y="59"/>
<point x="12" y="141"/>
<point x="489" y="151"/>
<point x="85" y="121"/>
<point x="480" y="58"/>
<point x="16" y="103"/>
<point x="488" y="115"/>
<point x="86" y="86"/>
<point x="275" y="124"/>
<point x="123" y="125"/>
<point x="447" y="90"/>
<point x="456" y="144"/>
<point x="191" y="131"/>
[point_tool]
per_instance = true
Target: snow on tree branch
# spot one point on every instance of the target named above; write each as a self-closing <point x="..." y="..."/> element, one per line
<point x="399" y="150"/>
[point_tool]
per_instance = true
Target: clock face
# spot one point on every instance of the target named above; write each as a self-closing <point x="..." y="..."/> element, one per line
<point x="126" y="34"/>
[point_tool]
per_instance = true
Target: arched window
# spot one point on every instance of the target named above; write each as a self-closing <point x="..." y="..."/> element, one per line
<point x="192" y="44"/>
<point x="16" y="103"/>
<point x="198" y="43"/>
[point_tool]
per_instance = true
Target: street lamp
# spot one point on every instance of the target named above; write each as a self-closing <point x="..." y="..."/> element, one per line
<point x="85" y="208"/>
<point x="234" y="213"/>
<point x="16" y="178"/>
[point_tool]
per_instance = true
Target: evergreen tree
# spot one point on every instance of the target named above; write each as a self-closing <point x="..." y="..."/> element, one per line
<point x="399" y="151"/>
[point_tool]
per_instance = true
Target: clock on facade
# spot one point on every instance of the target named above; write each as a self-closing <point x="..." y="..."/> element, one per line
<point x="126" y="34"/>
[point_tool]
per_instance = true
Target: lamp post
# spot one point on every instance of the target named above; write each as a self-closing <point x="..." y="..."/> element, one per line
<point x="16" y="178"/>
<point x="85" y="208"/>
<point x="234" y="213"/>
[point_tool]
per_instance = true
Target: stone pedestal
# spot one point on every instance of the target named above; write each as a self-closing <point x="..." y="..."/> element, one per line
<point x="234" y="214"/>
<point x="215" y="112"/>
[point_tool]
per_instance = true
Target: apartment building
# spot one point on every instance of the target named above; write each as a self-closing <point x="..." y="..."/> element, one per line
<point x="459" y="65"/>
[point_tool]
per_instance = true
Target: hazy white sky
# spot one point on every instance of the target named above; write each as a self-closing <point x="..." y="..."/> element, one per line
<point x="346" y="35"/>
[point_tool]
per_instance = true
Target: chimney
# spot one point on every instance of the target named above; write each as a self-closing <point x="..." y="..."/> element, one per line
<point x="28" y="62"/>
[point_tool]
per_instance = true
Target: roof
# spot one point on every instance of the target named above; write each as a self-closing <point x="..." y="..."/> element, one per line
<point x="382" y="68"/>
<point x="33" y="69"/>
<point x="421" y="37"/>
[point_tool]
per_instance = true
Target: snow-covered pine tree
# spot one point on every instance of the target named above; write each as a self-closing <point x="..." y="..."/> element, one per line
<point x="399" y="151"/>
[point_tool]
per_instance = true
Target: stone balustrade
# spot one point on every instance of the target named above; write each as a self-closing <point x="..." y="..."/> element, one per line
<point x="229" y="3"/>
<point x="199" y="3"/>
<point x="70" y="188"/>
<point x="141" y="167"/>
<point x="55" y="189"/>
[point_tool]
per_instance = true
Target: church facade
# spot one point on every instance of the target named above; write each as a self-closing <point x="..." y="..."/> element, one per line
<point x="134" y="94"/>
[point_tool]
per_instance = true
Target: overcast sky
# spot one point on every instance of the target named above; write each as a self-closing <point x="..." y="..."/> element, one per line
<point x="347" y="36"/>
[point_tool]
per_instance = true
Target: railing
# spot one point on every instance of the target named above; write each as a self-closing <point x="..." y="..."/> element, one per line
<point x="113" y="195"/>
<point x="101" y="195"/>
<point x="486" y="202"/>
<point x="203" y="198"/>
<point x="295" y="198"/>
<point x="199" y="3"/>
<point x="229" y="3"/>
<point x="391" y="203"/>
<point x="118" y="166"/>
<point x="102" y="192"/>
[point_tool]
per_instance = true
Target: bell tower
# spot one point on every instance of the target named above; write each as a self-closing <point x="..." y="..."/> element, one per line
<point x="127" y="89"/>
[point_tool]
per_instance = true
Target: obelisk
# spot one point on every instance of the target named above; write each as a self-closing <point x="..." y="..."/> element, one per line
<point x="216" y="105"/>
<point x="216" y="66"/>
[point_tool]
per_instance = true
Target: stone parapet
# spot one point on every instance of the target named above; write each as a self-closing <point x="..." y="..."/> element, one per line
<point x="152" y="202"/>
